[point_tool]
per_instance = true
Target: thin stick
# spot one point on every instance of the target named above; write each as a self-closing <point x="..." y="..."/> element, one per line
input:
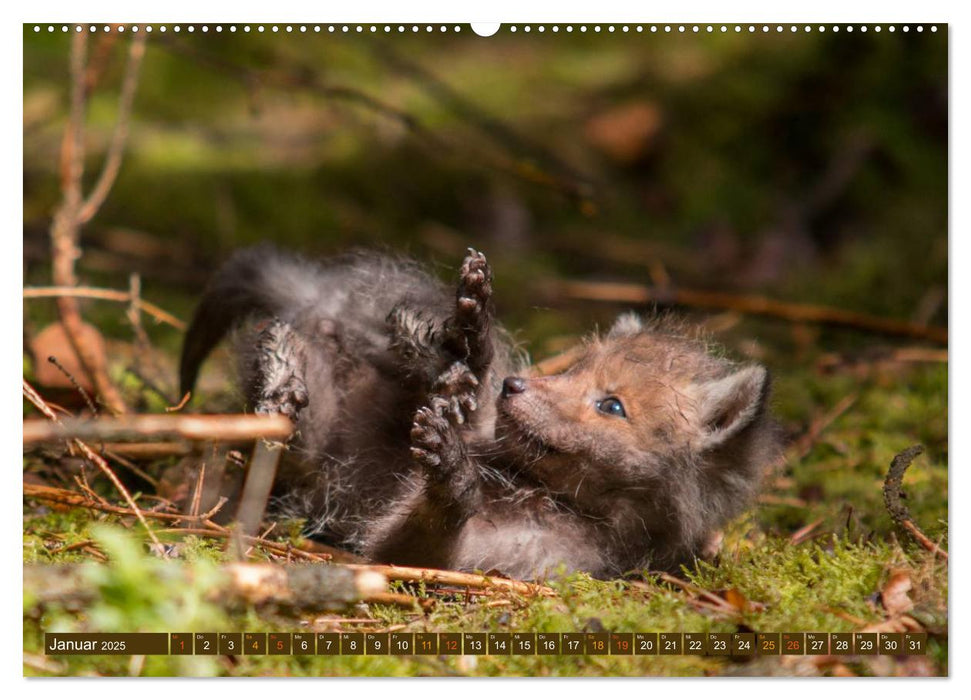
<point x="117" y="146"/>
<point x="97" y="460"/>
<point x="455" y="578"/>
<point x="179" y="406"/>
<point x="66" y="497"/>
<point x="197" y="493"/>
<point x="134" y="314"/>
<point x="159" y="314"/>
<point x="893" y="496"/>
<point x="557" y="363"/>
<point x="804" y="445"/>
<point x="750" y="304"/>
<point x="128" y="464"/>
<point x="65" y="231"/>
<point x="225" y="428"/>
<point x="259" y="482"/>
<point x="277" y="548"/>
<point x="803" y="533"/>
<point x="712" y="598"/>
<point x="77" y="385"/>
<point x="146" y="450"/>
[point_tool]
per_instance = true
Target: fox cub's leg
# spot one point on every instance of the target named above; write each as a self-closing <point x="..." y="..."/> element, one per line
<point x="454" y="392"/>
<point x="468" y="334"/>
<point x="276" y="382"/>
<point x="416" y="340"/>
<point x="422" y="527"/>
<point x="424" y="341"/>
<point x="438" y="447"/>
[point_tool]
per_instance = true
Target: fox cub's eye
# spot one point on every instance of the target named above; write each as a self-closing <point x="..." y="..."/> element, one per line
<point x="611" y="406"/>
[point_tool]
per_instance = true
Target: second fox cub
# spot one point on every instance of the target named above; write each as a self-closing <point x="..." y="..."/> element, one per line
<point x="422" y="440"/>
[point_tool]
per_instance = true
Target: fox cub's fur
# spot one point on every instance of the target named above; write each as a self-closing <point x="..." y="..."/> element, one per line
<point x="421" y="438"/>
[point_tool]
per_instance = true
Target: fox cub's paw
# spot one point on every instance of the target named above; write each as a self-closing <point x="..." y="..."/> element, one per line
<point x="474" y="291"/>
<point x="455" y="390"/>
<point x="469" y="330"/>
<point x="434" y="442"/>
<point x="280" y="387"/>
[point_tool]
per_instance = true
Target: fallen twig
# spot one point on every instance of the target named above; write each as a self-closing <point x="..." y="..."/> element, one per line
<point x="95" y="459"/>
<point x="882" y="358"/>
<point x="712" y="598"/>
<point x="893" y="495"/>
<point x="455" y="578"/>
<point x="76" y="384"/>
<point x="805" y="443"/>
<point x="790" y="501"/>
<point x="259" y="483"/>
<point x="74" y="499"/>
<point x="804" y="532"/>
<point x="225" y="428"/>
<point x="116" y="148"/>
<point x="179" y="406"/>
<point x="159" y="314"/>
<point x="750" y="304"/>
<point x="281" y="549"/>
<point x="557" y="363"/>
<point x="146" y="450"/>
<point x="307" y="587"/>
<point x="310" y="587"/>
<point x="66" y="230"/>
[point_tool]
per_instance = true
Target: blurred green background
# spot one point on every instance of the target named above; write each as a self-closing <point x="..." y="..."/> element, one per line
<point x="811" y="167"/>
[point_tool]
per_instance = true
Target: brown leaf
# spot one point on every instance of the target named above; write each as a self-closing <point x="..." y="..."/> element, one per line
<point x="52" y="341"/>
<point x="738" y="601"/>
<point x="625" y="133"/>
<point x="894" y="595"/>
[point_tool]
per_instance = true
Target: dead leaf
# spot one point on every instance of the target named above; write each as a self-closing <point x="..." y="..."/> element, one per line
<point x="894" y="595"/>
<point x="738" y="601"/>
<point x="625" y="133"/>
<point x="52" y="341"/>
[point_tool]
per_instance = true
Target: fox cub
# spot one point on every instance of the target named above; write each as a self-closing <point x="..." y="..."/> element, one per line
<point x="421" y="438"/>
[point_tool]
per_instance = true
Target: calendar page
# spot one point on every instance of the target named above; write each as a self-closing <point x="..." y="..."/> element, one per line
<point x="393" y="349"/>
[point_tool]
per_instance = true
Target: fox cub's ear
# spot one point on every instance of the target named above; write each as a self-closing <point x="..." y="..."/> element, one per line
<point x="626" y="325"/>
<point x="728" y="405"/>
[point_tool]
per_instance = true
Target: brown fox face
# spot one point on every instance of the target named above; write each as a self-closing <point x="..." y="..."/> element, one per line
<point x="641" y="408"/>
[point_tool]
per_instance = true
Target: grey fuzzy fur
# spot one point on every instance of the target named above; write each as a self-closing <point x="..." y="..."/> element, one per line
<point x="355" y="349"/>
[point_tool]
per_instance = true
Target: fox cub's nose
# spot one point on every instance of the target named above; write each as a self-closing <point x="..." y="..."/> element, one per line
<point x="513" y="385"/>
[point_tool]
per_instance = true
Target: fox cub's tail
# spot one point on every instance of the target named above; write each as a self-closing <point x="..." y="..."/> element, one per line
<point x="254" y="281"/>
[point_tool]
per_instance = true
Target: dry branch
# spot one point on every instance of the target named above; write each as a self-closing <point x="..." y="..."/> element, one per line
<point x="259" y="483"/>
<point x="799" y="449"/>
<point x="224" y="428"/>
<point x="454" y="578"/>
<point x="65" y="230"/>
<point x="146" y="450"/>
<point x="893" y="497"/>
<point x="310" y="587"/>
<point x="94" y="458"/>
<point x="117" y="146"/>
<point x="557" y="363"/>
<point x="749" y="304"/>
<point x="307" y="587"/>
<point x="64" y="497"/>
<point x="159" y="314"/>
<point x="73" y="499"/>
